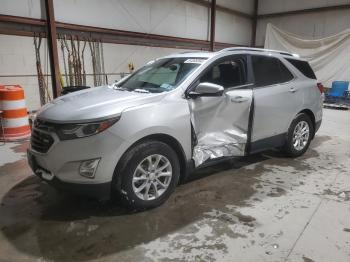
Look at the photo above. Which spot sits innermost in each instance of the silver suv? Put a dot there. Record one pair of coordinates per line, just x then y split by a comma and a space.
142, 135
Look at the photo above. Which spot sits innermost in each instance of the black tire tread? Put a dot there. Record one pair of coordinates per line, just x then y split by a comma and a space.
288, 148
128, 198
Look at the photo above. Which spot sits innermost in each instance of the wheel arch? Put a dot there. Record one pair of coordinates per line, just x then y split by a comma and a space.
165, 138
310, 114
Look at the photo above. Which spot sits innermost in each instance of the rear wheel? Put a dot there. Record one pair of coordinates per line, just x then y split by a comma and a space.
150, 172
299, 136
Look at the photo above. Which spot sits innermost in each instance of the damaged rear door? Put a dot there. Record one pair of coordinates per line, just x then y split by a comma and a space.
220, 121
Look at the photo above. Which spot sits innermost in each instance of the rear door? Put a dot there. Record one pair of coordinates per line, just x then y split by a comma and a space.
275, 101
221, 123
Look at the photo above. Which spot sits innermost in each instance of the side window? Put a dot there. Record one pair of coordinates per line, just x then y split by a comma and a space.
269, 71
286, 75
228, 73
304, 67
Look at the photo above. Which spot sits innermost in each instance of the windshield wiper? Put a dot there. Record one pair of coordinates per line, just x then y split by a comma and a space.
139, 90
115, 87
120, 88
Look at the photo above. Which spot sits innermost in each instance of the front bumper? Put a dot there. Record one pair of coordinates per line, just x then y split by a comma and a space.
63, 158
101, 191
59, 165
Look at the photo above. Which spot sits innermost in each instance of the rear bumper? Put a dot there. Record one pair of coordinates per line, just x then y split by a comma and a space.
318, 125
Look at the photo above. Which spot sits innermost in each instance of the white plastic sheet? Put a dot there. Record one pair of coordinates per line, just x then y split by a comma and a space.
329, 57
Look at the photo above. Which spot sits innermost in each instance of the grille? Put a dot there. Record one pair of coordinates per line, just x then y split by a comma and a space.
41, 142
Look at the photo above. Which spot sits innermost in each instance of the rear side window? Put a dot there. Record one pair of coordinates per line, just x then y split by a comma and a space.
269, 71
304, 67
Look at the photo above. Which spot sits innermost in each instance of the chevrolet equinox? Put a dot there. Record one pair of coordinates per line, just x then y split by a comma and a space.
142, 135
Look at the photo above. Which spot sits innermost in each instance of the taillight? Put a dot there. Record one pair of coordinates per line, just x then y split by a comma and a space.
320, 87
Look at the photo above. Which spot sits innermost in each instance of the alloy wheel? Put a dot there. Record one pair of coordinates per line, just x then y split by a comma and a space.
301, 135
152, 177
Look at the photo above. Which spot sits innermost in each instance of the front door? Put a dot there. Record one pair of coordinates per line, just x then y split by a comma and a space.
221, 123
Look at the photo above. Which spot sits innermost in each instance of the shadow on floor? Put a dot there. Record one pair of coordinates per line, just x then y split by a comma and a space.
41, 222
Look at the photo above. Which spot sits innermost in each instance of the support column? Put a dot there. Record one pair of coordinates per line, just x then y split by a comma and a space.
52, 47
254, 23
212, 24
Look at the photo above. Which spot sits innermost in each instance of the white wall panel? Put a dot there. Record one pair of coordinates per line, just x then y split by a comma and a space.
166, 17
179, 18
311, 25
233, 29
119, 56
245, 6
26, 8
17, 57
277, 6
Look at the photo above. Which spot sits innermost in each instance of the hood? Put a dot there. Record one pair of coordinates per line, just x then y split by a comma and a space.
93, 104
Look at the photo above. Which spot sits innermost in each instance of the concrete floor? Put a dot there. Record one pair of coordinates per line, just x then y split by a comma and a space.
260, 208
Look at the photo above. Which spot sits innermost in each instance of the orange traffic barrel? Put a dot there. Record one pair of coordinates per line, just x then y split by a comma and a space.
14, 116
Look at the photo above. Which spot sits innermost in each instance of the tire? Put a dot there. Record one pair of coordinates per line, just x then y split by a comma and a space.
132, 169
293, 148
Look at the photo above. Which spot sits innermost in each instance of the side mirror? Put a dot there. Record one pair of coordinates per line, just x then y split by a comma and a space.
206, 89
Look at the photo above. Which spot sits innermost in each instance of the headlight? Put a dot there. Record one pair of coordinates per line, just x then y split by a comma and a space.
72, 131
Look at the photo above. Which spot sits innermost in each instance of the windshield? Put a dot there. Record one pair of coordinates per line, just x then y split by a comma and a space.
162, 75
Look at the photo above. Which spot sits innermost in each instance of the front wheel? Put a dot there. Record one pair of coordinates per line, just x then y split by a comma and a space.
299, 135
150, 172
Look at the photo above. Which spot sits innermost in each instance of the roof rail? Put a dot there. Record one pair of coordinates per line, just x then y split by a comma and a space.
194, 51
257, 50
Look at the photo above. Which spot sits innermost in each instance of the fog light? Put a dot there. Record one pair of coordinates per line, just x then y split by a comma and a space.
87, 168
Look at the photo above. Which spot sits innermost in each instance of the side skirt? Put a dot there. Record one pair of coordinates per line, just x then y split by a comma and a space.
268, 143
216, 161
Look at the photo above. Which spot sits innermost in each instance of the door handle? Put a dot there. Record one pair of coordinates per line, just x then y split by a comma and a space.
239, 99
292, 90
